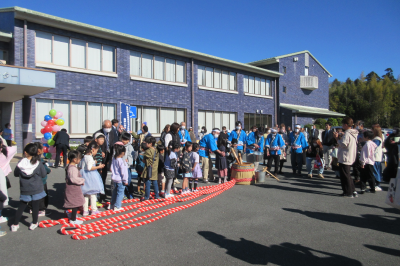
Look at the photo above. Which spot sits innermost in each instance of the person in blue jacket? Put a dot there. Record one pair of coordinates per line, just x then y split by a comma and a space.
274, 143
253, 141
184, 134
241, 137
299, 145
208, 143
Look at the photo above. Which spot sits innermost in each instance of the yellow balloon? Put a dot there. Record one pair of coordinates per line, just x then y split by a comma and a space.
60, 122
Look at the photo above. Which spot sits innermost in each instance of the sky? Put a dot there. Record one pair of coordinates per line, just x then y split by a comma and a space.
346, 36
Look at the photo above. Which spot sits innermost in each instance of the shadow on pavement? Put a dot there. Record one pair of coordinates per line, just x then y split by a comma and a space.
298, 190
367, 221
283, 254
389, 251
389, 210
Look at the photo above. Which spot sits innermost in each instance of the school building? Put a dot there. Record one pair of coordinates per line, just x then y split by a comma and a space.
86, 72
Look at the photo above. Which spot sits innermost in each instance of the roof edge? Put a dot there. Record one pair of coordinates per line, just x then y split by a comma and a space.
57, 22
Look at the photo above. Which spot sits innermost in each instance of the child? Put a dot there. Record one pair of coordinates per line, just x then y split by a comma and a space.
6, 154
367, 160
140, 167
161, 177
186, 166
150, 159
3, 198
73, 196
93, 182
31, 172
82, 148
128, 158
220, 161
170, 165
230, 158
120, 176
196, 170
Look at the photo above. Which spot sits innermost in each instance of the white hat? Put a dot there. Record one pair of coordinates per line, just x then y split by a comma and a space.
273, 130
98, 135
297, 126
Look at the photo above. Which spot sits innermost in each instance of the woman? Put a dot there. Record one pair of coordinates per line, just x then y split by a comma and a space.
203, 132
285, 138
266, 133
172, 135
192, 136
311, 154
8, 134
378, 140
164, 132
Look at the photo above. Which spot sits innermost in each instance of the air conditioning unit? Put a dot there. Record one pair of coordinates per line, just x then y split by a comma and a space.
295, 59
3, 62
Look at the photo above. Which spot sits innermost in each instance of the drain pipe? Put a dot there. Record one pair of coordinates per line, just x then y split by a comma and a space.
276, 104
193, 95
25, 43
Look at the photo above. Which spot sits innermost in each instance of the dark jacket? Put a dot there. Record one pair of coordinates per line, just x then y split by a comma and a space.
175, 138
30, 184
314, 133
61, 137
330, 140
161, 163
44, 179
314, 151
186, 164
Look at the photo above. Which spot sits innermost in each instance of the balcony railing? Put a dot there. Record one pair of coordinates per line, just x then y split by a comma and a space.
309, 82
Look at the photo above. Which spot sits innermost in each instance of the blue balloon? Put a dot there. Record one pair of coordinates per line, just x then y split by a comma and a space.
44, 155
47, 118
47, 136
46, 145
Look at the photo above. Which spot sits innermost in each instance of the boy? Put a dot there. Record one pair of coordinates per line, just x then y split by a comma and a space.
82, 148
367, 160
128, 157
140, 167
99, 138
150, 158
161, 177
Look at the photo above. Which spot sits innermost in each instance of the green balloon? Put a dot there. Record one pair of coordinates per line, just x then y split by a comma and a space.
52, 112
48, 155
51, 142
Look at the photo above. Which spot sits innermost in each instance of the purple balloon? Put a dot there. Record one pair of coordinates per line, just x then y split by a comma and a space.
56, 128
43, 123
59, 114
43, 140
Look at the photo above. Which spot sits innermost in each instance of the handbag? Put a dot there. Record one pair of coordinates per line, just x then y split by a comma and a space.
392, 197
318, 163
150, 167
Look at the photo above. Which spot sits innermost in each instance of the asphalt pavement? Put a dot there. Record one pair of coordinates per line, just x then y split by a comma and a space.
297, 221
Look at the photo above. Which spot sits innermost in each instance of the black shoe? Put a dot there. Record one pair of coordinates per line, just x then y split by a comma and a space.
294, 172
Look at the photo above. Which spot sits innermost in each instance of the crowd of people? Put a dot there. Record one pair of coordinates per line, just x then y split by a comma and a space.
157, 164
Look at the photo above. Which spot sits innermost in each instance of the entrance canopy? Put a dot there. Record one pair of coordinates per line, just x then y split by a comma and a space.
299, 109
18, 82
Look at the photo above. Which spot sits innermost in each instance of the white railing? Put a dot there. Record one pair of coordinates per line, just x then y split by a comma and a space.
309, 82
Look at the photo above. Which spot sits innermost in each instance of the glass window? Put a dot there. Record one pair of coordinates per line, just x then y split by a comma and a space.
201, 76
42, 109
217, 120
170, 70
246, 83
167, 116
180, 116
61, 50
150, 115
159, 67
251, 85
78, 117
94, 117
268, 88
108, 58
63, 106
232, 81
209, 77
246, 121
147, 66
201, 120
217, 78
262, 87
78, 53
108, 111
209, 121
225, 120
232, 120
43, 46
257, 86
94, 56
306, 71
135, 61
180, 71
225, 80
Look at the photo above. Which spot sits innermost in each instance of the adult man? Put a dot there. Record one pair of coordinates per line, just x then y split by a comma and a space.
240, 135
207, 144
314, 134
61, 139
184, 134
299, 144
327, 143
252, 144
273, 144
142, 136
346, 156
224, 133
192, 136
111, 136
289, 130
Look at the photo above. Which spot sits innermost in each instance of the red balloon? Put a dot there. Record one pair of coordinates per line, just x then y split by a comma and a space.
42, 131
48, 128
51, 123
45, 149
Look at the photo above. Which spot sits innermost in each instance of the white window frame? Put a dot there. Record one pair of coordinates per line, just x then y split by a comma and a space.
216, 88
221, 113
254, 94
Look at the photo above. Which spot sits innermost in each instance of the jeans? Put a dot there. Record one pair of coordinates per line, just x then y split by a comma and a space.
368, 176
148, 183
297, 161
378, 171
310, 166
129, 187
327, 155
117, 195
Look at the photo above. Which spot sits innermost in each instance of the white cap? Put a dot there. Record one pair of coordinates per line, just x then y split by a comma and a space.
297, 126
273, 130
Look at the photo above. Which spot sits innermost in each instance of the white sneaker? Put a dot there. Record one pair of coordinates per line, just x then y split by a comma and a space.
33, 226
76, 222
3, 219
118, 209
14, 228
42, 213
378, 188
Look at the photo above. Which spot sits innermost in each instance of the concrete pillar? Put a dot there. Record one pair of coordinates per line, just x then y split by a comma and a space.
27, 134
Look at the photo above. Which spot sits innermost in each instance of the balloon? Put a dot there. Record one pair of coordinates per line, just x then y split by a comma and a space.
56, 128
43, 140
45, 149
47, 135
51, 122
47, 118
42, 131
52, 149
62, 119
53, 156
48, 155
48, 129
59, 114
51, 142
60, 122
52, 112
46, 145
43, 123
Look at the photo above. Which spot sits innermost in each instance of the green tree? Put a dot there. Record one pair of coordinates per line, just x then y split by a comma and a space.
389, 74
334, 122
